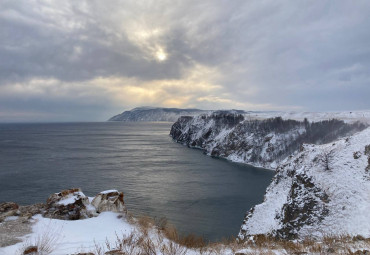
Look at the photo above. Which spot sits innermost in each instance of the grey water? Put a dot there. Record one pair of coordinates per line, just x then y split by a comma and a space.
160, 178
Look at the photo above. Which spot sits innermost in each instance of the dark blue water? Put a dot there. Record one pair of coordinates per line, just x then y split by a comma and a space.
159, 177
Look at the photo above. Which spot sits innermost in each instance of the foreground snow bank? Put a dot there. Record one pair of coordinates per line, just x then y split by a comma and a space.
105, 233
322, 190
109, 231
69, 237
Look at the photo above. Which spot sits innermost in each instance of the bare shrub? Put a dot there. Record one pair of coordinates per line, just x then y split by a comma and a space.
145, 223
173, 249
46, 242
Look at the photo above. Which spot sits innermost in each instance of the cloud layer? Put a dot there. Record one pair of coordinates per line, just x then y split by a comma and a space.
88, 60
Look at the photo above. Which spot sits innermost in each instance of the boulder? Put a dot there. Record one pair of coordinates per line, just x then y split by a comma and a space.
69, 204
30, 250
8, 209
8, 206
110, 200
64, 195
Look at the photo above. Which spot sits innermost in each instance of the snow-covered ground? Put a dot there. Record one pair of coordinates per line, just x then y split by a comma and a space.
96, 234
93, 234
73, 236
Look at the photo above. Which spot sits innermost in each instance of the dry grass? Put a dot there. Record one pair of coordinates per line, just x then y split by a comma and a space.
159, 236
46, 242
189, 241
138, 243
329, 244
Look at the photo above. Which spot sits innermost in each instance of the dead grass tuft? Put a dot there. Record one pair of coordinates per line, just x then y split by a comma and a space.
46, 242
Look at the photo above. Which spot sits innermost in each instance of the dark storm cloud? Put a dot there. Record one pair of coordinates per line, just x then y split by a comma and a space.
253, 55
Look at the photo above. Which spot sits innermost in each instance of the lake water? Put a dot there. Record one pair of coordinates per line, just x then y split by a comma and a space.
159, 177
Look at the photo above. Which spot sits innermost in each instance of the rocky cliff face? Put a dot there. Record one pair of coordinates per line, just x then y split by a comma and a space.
258, 142
324, 189
155, 114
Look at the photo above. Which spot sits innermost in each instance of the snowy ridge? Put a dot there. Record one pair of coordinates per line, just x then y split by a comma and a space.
347, 116
262, 143
324, 189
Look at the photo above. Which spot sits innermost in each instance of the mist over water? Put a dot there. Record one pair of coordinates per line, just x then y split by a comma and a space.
159, 177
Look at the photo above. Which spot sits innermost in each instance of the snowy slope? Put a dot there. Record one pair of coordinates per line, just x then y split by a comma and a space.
324, 189
258, 142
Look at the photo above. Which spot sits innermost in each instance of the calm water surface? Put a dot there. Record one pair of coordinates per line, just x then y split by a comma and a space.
159, 177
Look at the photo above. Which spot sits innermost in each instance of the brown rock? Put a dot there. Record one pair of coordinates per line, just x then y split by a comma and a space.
8, 206
30, 250
56, 197
8, 209
110, 200
67, 205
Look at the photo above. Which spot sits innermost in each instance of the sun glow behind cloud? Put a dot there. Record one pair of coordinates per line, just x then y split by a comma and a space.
161, 55
149, 40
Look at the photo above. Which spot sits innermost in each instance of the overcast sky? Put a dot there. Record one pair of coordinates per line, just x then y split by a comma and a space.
88, 60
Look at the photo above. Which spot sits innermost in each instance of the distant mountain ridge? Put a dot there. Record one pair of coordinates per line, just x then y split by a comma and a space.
155, 114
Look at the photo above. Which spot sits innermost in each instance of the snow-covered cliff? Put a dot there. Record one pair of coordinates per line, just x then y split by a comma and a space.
263, 143
324, 189
322, 181
155, 114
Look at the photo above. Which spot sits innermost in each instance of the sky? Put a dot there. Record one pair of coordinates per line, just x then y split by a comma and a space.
88, 60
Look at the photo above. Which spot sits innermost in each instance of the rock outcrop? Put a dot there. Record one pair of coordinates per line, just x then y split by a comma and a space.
69, 204
322, 190
110, 200
8, 209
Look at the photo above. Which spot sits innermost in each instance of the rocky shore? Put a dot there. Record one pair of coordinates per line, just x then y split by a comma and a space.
70, 204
